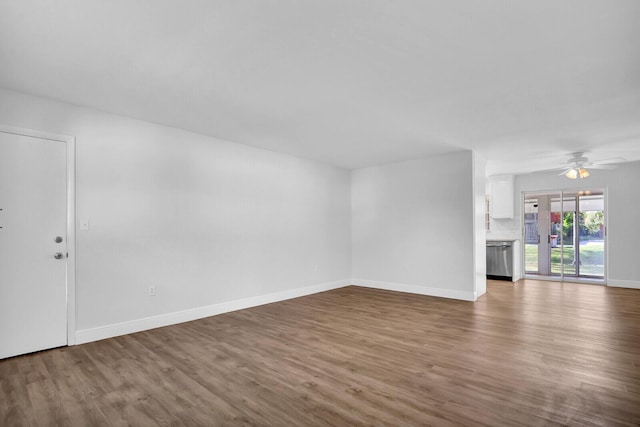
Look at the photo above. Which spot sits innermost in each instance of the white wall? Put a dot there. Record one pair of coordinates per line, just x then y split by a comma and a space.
479, 232
413, 225
622, 215
207, 222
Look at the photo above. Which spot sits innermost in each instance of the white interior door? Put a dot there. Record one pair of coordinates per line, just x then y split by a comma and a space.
33, 244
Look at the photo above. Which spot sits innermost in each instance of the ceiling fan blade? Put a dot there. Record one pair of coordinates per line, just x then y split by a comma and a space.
601, 166
546, 170
610, 161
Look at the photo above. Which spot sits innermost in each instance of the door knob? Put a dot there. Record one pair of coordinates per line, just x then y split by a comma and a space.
58, 239
58, 255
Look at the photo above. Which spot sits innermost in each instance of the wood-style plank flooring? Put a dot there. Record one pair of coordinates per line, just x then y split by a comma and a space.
534, 353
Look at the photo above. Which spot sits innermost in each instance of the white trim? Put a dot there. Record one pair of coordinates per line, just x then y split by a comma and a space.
631, 284
605, 194
137, 325
70, 142
35, 133
71, 241
566, 279
415, 289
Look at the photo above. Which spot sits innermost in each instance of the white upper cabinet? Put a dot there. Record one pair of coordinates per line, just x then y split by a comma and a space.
501, 197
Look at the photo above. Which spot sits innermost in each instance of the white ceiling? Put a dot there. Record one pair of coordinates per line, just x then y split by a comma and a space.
351, 83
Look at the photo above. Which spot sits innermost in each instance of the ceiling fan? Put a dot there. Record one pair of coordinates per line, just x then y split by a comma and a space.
577, 165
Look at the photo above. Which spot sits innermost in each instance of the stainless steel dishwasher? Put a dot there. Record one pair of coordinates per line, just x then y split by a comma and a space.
500, 260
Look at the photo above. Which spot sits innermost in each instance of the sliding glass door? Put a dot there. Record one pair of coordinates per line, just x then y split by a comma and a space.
564, 234
558, 241
589, 235
539, 231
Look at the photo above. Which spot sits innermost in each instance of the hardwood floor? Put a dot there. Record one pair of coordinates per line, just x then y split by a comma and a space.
533, 353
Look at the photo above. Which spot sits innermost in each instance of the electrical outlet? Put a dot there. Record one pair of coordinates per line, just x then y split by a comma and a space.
152, 290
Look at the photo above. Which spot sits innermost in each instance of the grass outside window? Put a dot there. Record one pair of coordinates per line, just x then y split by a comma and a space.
591, 257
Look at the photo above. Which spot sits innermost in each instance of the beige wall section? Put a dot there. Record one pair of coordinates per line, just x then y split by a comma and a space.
203, 220
479, 234
413, 226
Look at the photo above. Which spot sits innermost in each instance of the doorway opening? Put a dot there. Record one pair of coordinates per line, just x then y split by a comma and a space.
565, 235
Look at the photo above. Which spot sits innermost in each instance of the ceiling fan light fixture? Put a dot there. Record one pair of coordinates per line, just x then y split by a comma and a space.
576, 173
583, 173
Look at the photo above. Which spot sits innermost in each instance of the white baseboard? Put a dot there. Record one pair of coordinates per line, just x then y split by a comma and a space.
632, 284
415, 289
132, 326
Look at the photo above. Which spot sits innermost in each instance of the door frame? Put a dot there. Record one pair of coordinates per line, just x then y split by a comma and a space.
70, 142
562, 278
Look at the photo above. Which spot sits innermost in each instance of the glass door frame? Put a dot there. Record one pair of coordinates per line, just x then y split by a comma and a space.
562, 277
